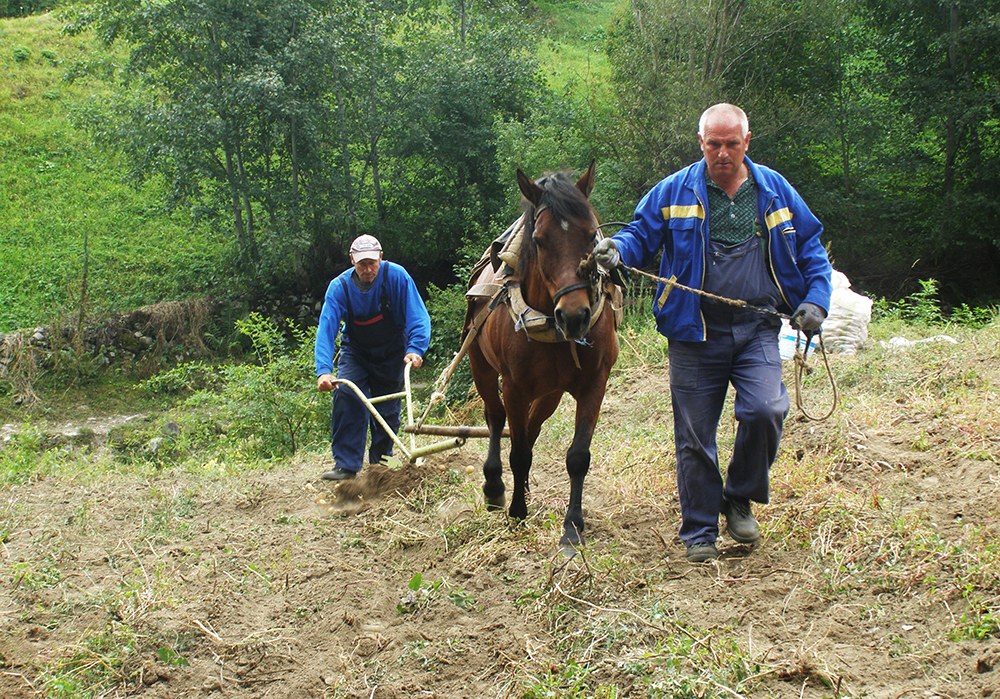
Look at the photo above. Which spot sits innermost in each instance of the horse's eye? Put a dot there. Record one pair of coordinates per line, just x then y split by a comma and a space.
538, 241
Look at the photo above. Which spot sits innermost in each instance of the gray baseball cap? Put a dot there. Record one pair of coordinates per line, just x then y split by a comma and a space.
365, 247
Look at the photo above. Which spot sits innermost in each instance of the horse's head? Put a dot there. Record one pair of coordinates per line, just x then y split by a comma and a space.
563, 228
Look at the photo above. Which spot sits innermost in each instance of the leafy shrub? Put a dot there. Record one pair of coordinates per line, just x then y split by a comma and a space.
147, 440
184, 377
102, 68
920, 307
271, 405
24, 457
973, 317
446, 308
923, 308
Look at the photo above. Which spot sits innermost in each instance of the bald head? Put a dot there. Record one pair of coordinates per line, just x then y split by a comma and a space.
724, 114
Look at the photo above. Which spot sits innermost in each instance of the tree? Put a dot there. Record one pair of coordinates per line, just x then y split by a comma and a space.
415, 108
229, 105
674, 58
943, 68
303, 124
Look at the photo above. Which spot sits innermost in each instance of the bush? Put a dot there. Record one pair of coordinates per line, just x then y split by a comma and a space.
185, 377
922, 308
446, 308
271, 406
21, 54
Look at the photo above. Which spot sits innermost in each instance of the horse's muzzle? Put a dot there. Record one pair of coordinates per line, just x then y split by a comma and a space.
573, 324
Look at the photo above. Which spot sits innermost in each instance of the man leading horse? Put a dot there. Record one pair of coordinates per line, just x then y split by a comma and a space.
736, 229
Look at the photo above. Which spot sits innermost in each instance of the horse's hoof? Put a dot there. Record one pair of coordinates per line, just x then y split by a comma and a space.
518, 512
572, 538
567, 549
496, 504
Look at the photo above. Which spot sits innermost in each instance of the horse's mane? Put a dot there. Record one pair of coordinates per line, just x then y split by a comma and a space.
563, 199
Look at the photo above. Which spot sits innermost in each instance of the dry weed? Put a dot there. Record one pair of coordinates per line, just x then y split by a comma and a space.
19, 367
174, 321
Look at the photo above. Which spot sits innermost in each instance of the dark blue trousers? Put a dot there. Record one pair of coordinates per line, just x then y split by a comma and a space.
351, 419
743, 353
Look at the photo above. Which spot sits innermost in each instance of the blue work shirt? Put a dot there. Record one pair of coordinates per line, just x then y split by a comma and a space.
407, 308
673, 217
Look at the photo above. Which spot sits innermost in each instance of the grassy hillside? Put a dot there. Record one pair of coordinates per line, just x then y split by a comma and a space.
58, 189
60, 192
571, 51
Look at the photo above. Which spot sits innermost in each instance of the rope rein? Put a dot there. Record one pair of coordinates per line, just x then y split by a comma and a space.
739, 303
800, 366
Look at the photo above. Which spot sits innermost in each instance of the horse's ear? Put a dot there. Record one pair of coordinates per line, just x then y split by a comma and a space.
531, 191
586, 183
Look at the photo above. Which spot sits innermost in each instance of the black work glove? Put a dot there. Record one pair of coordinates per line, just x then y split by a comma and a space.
606, 254
808, 318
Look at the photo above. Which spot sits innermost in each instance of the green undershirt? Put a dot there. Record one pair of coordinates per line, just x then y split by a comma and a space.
731, 221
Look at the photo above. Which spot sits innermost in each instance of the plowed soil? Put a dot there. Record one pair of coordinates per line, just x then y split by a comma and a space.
277, 584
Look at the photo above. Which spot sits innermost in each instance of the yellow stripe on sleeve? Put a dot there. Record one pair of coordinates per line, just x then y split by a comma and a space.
779, 216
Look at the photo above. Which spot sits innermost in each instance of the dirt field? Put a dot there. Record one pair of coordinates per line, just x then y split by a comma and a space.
876, 576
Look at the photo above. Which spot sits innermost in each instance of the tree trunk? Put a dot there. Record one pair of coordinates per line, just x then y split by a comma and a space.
345, 165
235, 177
377, 181
244, 191
724, 22
241, 236
464, 27
653, 53
951, 126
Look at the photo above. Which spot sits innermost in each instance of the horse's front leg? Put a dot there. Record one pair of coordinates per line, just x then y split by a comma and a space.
588, 407
577, 465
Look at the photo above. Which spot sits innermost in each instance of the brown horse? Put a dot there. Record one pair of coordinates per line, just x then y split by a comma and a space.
562, 340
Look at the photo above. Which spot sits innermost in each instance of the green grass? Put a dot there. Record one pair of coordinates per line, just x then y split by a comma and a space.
572, 51
61, 192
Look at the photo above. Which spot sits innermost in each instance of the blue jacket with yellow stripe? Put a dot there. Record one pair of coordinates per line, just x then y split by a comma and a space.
673, 216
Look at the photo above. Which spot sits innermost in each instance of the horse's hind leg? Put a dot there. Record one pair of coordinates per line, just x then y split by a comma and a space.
488, 386
493, 488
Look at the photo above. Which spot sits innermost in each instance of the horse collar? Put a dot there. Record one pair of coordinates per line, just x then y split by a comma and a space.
540, 327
